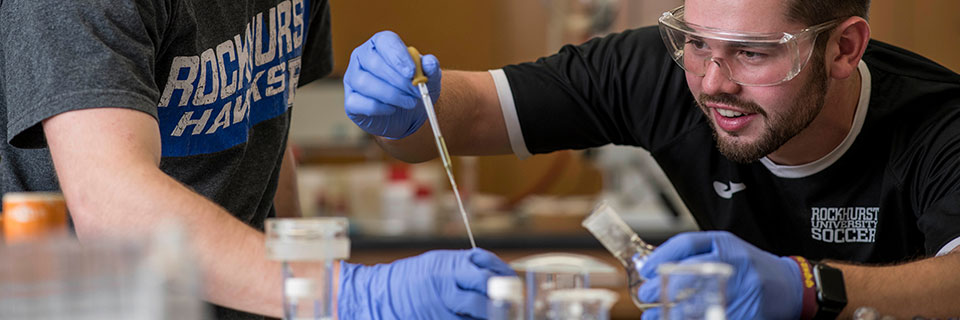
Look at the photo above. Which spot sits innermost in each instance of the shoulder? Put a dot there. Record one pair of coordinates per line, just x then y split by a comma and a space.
909, 92
69, 23
47, 9
917, 102
898, 62
631, 58
639, 42
915, 105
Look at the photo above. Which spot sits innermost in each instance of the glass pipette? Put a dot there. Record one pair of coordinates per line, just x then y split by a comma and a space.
420, 80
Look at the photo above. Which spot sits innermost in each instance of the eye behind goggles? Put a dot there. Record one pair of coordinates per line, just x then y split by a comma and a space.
747, 58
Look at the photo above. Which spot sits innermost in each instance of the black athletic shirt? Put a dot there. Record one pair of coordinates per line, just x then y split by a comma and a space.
889, 192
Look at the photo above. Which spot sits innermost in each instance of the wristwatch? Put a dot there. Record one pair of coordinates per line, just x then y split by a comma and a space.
831, 293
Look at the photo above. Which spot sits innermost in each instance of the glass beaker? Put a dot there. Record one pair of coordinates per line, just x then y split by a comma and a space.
547, 272
694, 290
623, 243
150, 278
307, 247
581, 304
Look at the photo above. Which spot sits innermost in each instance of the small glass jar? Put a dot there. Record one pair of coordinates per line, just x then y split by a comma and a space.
312, 245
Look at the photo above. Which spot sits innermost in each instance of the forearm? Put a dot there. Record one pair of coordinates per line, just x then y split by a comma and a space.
107, 162
468, 111
229, 253
928, 288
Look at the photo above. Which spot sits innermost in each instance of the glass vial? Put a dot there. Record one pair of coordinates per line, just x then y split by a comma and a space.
506, 298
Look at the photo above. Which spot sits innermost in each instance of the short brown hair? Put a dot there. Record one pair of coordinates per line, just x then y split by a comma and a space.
811, 12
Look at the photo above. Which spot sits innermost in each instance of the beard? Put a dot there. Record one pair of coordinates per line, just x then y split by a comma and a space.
780, 127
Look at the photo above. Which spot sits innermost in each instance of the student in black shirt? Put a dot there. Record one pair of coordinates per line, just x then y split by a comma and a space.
781, 124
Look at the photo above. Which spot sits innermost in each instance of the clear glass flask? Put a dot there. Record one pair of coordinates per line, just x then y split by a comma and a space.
623, 243
693, 291
308, 248
581, 304
506, 298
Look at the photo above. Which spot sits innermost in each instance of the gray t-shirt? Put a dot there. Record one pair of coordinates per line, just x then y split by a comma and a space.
218, 75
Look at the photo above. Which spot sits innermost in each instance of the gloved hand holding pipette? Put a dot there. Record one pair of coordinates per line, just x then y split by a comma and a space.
377, 87
378, 94
443, 284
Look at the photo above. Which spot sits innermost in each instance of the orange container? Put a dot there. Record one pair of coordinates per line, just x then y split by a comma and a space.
32, 215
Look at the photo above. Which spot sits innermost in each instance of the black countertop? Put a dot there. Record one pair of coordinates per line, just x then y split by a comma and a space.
498, 241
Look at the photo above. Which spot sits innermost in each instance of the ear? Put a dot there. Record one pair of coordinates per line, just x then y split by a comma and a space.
846, 46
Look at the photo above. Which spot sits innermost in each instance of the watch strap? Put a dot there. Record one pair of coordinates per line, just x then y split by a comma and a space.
831, 292
809, 307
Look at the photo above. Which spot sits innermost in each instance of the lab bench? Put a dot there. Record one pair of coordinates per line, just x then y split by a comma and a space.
509, 247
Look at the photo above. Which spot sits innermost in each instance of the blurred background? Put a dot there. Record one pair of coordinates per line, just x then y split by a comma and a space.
517, 207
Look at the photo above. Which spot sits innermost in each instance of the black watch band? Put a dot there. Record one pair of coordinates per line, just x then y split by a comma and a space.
831, 291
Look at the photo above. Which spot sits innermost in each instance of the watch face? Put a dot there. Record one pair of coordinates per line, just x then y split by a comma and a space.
831, 292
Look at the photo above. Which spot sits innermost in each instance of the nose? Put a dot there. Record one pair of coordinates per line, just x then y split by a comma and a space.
716, 81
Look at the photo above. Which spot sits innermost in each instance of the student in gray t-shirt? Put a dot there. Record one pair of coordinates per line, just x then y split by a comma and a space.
143, 112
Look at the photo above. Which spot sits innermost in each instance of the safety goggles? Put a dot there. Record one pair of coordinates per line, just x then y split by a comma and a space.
751, 59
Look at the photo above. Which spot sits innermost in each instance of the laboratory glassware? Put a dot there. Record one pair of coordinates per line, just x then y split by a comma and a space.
506, 298
150, 278
307, 248
581, 304
693, 291
870, 313
615, 235
546, 272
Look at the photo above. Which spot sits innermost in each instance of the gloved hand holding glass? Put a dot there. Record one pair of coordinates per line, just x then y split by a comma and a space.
378, 94
762, 286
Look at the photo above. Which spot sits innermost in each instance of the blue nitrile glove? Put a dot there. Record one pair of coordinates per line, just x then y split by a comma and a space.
442, 284
763, 286
378, 94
